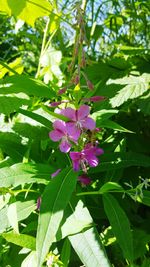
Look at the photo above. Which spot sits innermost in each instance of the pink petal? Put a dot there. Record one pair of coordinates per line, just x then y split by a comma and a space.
56, 135
99, 151
69, 113
83, 112
60, 125
72, 130
64, 146
76, 165
88, 123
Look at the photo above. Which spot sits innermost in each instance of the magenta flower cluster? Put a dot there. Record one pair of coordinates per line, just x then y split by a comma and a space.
73, 135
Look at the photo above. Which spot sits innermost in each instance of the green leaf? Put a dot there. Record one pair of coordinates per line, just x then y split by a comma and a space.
25, 173
65, 253
27, 10
36, 117
78, 220
89, 248
110, 186
25, 241
117, 160
54, 201
112, 125
12, 217
24, 209
104, 114
120, 225
30, 260
10, 104
24, 84
133, 87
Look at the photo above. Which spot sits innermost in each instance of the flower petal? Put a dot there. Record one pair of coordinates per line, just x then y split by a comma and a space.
93, 161
56, 135
72, 130
75, 155
69, 113
65, 146
60, 125
84, 179
76, 165
88, 123
83, 112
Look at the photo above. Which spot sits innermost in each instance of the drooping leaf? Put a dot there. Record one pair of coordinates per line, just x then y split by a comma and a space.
25, 241
26, 10
23, 173
120, 225
54, 201
112, 125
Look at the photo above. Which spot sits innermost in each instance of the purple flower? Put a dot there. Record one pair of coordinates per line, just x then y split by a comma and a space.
84, 179
60, 133
55, 173
88, 156
78, 119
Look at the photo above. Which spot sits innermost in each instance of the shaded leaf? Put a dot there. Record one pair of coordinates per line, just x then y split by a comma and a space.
120, 225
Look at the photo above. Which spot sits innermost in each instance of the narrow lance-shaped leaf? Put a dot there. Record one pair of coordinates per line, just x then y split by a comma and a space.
54, 201
120, 225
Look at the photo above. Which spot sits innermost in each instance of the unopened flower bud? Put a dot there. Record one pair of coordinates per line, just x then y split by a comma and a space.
62, 91
84, 180
38, 204
76, 79
97, 98
90, 85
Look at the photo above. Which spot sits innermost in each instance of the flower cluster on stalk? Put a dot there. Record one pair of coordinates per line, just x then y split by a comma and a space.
73, 137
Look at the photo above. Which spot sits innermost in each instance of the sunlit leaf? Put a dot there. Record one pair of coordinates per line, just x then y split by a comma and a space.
54, 201
27, 10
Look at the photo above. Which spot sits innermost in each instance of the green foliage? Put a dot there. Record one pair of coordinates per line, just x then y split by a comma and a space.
58, 221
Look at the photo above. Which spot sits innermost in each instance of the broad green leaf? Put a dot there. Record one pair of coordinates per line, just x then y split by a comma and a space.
24, 84
25, 173
133, 87
25, 241
24, 209
117, 160
27, 10
78, 220
54, 201
110, 186
89, 248
10, 104
120, 225
30, 260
